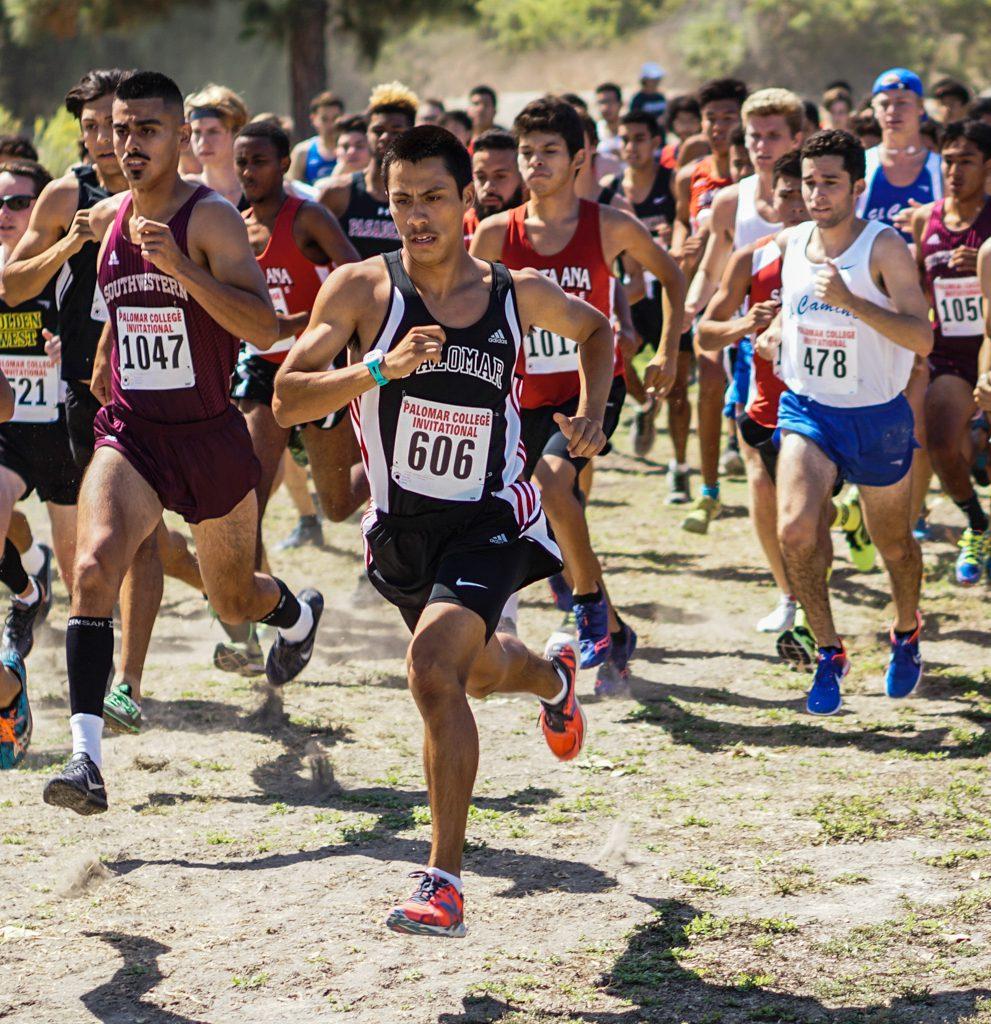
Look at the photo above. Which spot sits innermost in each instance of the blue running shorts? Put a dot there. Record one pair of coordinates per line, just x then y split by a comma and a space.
871, 445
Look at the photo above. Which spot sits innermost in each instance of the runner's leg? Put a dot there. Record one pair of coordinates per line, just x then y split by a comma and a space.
949, 406
889, 514
140, 599
338, 474
764, 513
63, 519
806, 478
178, 561
712, 389
269, 441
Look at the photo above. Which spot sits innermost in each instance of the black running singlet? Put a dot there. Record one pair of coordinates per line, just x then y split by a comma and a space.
367, 222
659, 203
74, 288
449, 434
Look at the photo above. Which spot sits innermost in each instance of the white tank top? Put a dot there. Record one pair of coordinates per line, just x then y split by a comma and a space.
828, 354
750, 225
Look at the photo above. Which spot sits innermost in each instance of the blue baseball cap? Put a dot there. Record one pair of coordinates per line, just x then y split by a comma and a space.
897, 79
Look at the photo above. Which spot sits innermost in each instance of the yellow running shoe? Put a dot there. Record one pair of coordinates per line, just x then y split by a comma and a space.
704, 510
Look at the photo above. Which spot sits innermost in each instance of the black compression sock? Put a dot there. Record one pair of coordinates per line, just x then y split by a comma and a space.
286, 613
89, 657
589, 598
899, 635
12, 572
977, 518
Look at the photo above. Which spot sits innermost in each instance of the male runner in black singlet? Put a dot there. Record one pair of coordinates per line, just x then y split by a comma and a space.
452, 531
181, 285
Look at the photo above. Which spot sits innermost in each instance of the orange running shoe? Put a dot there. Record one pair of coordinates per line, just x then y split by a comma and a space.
436, 908
564, 723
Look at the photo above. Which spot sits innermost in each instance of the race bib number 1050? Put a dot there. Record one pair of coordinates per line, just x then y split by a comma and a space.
441, 450
958, 306
153, 349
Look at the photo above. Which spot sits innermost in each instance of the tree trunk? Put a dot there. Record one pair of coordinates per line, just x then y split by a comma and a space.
307, 54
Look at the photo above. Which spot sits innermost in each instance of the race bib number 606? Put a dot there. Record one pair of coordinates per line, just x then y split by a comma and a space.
441, 450
153, 349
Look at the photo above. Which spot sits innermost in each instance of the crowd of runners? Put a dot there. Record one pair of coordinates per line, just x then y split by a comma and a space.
439, 321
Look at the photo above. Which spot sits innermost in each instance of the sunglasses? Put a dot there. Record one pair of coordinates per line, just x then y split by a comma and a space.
16, 203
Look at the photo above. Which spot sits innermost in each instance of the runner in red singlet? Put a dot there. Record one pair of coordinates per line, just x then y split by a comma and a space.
576, 243
695, 189
498, 185
180, 284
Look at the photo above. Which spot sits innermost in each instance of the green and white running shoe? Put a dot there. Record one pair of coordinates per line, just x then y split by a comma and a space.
797, 645
243, 658
121, 712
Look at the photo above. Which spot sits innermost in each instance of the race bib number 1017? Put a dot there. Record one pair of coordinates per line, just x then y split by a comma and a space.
153, 349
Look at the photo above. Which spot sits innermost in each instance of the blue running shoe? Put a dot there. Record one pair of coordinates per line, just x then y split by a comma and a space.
824, 697
973, 555
561, 592
922, 531
905, 666
594, 640
613, 677
15, 720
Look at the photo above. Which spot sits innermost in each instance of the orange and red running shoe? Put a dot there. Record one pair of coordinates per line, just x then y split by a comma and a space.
436, 908
564, 723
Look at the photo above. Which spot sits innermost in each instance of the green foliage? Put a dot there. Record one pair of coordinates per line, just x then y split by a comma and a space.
9, 125
711, 42
55, 139
526, 24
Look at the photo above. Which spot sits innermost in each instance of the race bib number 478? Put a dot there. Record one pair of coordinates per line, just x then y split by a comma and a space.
153, 349
827, 359
441, 450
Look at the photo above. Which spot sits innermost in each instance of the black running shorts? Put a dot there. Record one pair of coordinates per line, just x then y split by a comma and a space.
254, 380
475, 557
39, 454
541, 435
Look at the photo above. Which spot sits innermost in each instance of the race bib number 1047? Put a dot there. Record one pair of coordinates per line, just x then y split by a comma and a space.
153, 349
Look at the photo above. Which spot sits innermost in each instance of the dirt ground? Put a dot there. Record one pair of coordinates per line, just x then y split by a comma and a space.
715, 855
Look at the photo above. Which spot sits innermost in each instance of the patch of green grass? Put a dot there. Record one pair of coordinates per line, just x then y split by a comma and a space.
705, 879
258, 980
850, 819
706, 926
953, 858
693, 820
789, 881
850, 878
218, 838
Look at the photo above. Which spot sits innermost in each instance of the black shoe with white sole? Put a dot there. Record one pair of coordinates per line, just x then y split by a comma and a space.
287, 659
79, 786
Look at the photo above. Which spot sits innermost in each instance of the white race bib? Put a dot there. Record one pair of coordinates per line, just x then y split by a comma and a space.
958, 306
153, 349
547, 352
441, 450
827, 359
35, 382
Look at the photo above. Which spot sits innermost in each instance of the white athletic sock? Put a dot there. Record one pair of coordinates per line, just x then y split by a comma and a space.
87, 733
297, 633
447, 877
511, 610
564, 687
32, 597
677, 467
33, 559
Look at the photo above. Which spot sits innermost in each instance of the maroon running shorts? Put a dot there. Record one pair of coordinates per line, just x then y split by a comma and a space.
201, 470
957, 358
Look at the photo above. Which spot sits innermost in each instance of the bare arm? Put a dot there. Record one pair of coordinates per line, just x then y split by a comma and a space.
351, 302
919, 220
718, 249
543, 304
55, 232
488, 239
336, 196
297, 163
721, 326
908, 324
982, 393
624, 234
324, 230
231, 288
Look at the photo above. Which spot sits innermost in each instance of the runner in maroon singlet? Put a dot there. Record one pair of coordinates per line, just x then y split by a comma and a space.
181, 285
948, 235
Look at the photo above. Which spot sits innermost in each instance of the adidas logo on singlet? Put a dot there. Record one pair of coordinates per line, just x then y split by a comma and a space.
498, 338
499, 538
